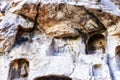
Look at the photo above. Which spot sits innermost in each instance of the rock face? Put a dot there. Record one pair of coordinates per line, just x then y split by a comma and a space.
54, 40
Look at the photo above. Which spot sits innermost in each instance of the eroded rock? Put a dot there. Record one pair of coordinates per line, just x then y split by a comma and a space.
55, 38
9, 27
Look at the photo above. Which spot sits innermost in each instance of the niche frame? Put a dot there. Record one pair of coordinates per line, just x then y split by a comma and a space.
102, 35
15, 66
53, 77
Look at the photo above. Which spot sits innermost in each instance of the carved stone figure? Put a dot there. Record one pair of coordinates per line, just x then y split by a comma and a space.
19, 68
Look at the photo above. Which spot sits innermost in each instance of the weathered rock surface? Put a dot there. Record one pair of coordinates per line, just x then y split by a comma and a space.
78, 40
9, 27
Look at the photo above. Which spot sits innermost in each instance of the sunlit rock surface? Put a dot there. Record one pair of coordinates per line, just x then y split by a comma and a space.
60, 40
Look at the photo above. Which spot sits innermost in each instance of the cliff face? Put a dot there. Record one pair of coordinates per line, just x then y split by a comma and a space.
77, 40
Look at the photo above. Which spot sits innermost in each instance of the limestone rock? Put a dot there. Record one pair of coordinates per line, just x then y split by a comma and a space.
29, 11
61, 19
9, 27
59, 39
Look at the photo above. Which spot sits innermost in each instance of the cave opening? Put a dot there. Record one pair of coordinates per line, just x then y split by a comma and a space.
117, 56
96, 44
18, 69
53, 77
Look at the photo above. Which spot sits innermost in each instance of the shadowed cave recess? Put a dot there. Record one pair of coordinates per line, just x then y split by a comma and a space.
59, 40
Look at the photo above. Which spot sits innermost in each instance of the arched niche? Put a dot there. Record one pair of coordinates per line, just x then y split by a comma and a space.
96, 69
117, 56
96, 44
53, 77
18, 69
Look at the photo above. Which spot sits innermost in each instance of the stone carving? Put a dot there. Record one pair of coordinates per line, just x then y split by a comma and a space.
96, 42
62, 41
118, 57
19, 69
